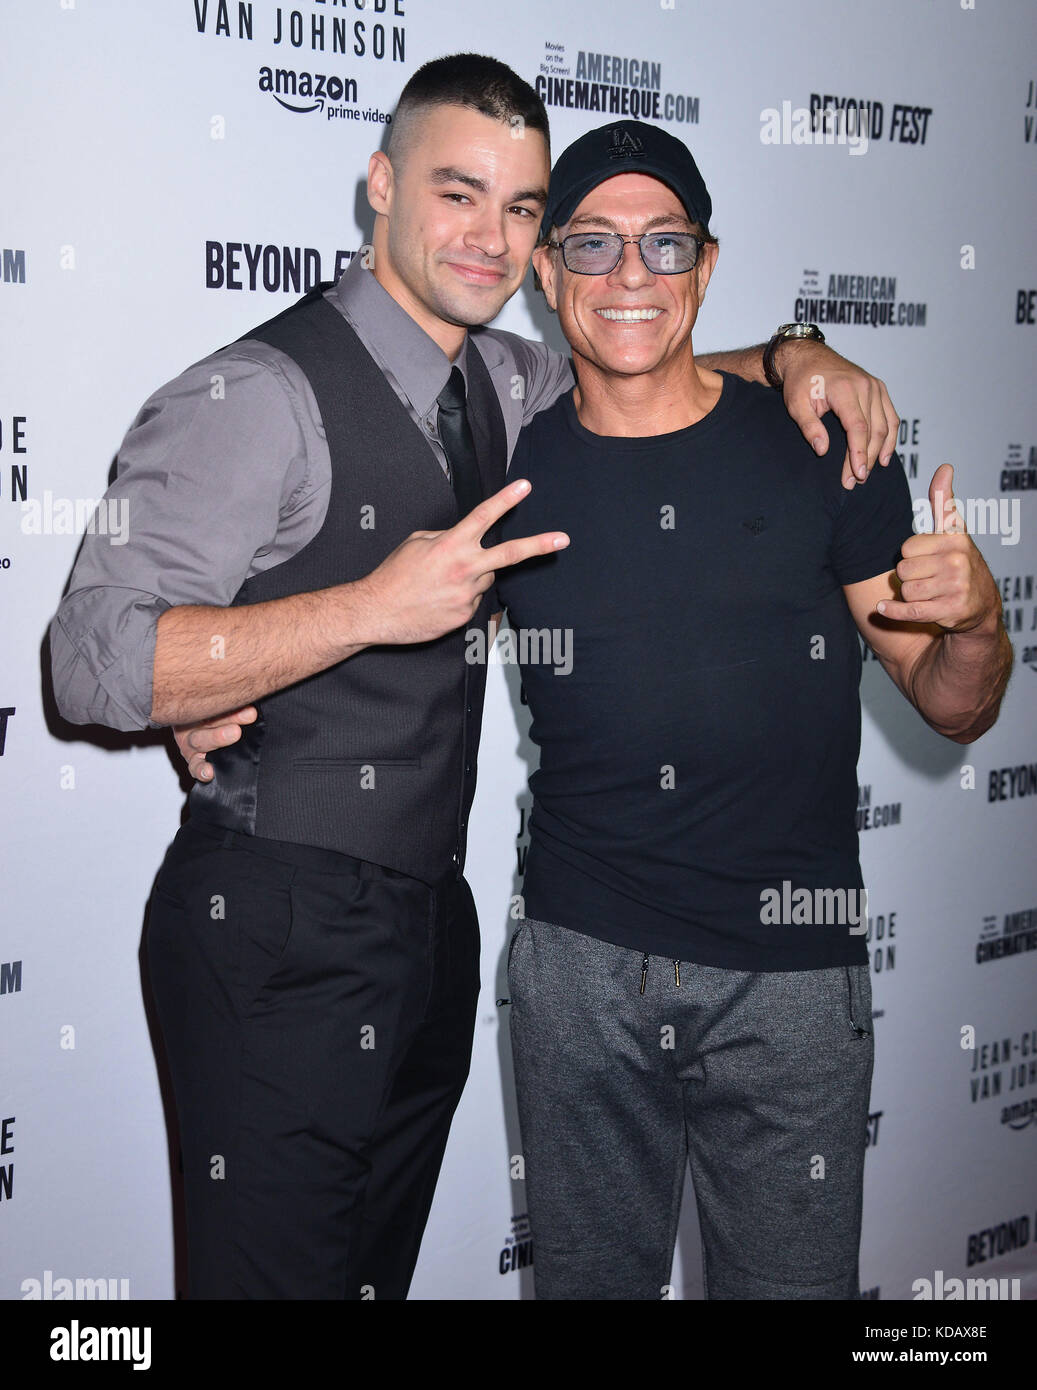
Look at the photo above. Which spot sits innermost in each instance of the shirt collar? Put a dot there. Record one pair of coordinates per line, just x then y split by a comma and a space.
393, 338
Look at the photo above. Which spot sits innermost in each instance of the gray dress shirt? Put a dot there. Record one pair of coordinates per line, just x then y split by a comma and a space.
225, 472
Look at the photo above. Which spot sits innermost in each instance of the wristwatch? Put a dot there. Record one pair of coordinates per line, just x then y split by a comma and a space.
786, 331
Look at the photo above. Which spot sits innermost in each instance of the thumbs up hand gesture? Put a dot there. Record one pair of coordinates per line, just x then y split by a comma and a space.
943, 577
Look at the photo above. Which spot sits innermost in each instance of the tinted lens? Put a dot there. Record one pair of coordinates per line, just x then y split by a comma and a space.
592, 253
669, 253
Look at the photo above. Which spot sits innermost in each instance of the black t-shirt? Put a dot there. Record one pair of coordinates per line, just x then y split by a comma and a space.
698, 761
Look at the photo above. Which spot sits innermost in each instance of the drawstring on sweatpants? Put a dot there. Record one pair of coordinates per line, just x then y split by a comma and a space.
644, 973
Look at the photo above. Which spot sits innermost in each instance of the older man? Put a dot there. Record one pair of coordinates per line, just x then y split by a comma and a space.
691, 980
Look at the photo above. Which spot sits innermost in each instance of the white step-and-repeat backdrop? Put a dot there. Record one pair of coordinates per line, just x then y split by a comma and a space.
171, 171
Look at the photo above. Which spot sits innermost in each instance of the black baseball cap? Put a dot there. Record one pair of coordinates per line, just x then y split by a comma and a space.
625, 147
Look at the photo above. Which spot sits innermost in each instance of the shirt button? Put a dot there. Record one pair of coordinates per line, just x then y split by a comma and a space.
430, 426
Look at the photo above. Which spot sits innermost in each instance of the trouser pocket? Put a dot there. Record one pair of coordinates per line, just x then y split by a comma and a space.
858, 1001
511, 945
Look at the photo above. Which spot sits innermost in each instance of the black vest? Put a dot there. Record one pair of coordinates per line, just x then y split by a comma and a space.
376, 756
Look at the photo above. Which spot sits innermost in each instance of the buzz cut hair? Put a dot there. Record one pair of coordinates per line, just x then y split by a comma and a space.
473, 80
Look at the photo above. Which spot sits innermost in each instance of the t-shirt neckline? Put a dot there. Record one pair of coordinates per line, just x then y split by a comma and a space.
642, 442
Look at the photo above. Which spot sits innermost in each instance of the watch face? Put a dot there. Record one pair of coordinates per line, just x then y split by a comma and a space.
800, 330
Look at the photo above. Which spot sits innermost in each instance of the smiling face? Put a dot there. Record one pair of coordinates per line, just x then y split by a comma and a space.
459, 215
629, 322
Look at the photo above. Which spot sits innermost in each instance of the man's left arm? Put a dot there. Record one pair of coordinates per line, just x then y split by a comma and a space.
935, 623
815, 379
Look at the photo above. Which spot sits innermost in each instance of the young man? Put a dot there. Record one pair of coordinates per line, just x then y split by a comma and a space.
691, 979
313, 945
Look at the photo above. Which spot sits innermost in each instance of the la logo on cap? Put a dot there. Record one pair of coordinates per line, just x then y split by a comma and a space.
624, 142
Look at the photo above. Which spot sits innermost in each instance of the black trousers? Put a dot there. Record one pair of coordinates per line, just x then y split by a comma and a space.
317, 1014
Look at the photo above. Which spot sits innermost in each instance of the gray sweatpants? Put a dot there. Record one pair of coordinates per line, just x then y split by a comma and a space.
760, 1080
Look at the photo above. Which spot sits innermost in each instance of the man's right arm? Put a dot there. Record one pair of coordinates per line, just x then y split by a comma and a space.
209, 659
214, 482
218, 478
431, 584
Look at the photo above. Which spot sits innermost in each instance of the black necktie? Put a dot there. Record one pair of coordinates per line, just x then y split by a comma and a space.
458, 445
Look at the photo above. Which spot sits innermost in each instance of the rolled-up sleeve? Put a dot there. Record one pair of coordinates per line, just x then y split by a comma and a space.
102, 649
216, 479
